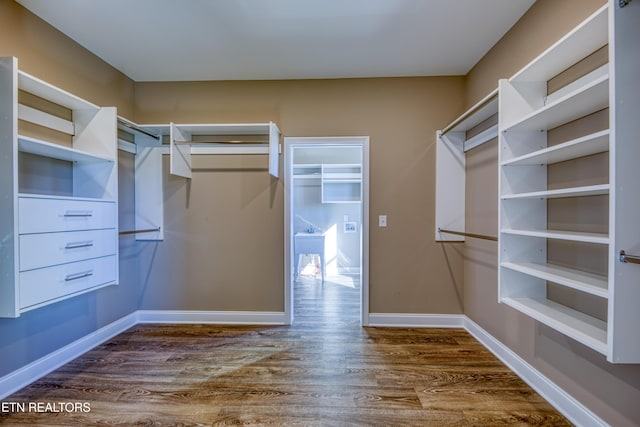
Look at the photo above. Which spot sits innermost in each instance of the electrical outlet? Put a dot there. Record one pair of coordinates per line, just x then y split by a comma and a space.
382, 221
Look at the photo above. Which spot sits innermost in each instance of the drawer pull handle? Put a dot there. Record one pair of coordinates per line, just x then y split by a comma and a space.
78, 245
77, 276
77, 214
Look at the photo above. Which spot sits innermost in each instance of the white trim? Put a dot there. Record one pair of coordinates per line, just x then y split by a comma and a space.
217, 317
37, 369
289, 143
576, 412
403, 320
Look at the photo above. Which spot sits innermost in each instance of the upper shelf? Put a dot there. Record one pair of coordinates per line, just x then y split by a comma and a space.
583, 40
588, 98
594, 143
56, 151
49, 92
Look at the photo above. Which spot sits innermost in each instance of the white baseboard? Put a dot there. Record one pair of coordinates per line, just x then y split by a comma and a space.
215, 317
401, 320
37, 369
576, 412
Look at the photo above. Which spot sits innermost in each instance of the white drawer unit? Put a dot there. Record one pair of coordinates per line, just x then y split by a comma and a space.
48, 249
55, 222
48, 215
47, 285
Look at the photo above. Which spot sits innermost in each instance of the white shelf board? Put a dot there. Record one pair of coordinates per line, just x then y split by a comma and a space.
308, 176
574, 236
585, 146
586, 282
588, 330
479, 139
342, 176
47, 149
226, 129
587, 99
55, 197
583, 40
51, 93
481, 111
590, 190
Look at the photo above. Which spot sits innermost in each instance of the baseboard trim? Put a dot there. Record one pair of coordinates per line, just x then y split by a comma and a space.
37, 369
576, 412
402, 320
214, 317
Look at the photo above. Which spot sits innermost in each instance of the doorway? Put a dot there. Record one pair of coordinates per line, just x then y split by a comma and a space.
326, 183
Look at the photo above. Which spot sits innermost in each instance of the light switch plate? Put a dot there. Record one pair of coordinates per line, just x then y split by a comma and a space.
382, 221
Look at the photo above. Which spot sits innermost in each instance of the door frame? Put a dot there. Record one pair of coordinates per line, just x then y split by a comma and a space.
289, 144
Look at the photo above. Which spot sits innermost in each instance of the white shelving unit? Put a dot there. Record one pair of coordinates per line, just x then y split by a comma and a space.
245, 138
452, 143
526, 114
149, 192
339, 183
57, 243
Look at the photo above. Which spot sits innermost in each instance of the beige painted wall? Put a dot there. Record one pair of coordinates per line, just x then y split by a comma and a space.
48, 54
224, 246
611, 391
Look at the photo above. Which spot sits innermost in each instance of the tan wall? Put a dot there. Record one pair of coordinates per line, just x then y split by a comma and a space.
611, 391
237, 217
48, 54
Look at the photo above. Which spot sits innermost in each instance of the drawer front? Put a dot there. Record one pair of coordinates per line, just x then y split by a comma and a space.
47, 284
51, 215
48, 249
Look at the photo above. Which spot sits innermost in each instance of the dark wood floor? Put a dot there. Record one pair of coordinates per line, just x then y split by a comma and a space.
323, 370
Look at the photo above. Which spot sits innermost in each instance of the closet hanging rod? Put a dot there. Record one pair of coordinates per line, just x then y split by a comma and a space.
147, 230
462, 233
221, 142
471, 111
138, 129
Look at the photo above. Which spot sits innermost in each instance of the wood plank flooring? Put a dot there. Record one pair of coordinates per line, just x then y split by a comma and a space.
323, 370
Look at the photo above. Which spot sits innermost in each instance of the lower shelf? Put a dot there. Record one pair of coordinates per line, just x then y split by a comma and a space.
585, 329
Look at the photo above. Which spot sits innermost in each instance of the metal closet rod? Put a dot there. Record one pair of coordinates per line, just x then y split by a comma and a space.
147, 230
138, 129
462, 233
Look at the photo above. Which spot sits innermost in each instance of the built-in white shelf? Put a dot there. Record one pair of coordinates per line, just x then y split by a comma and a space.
587, 145
588, 330
586, 99
574, 236
44, 90
218, 138
56, 151
89, 200
591, 190
586, 38
586, 282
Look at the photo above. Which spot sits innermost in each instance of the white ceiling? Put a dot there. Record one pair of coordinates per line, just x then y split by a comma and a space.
173, 40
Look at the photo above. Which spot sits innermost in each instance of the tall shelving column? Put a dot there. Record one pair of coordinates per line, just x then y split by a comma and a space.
572, 297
